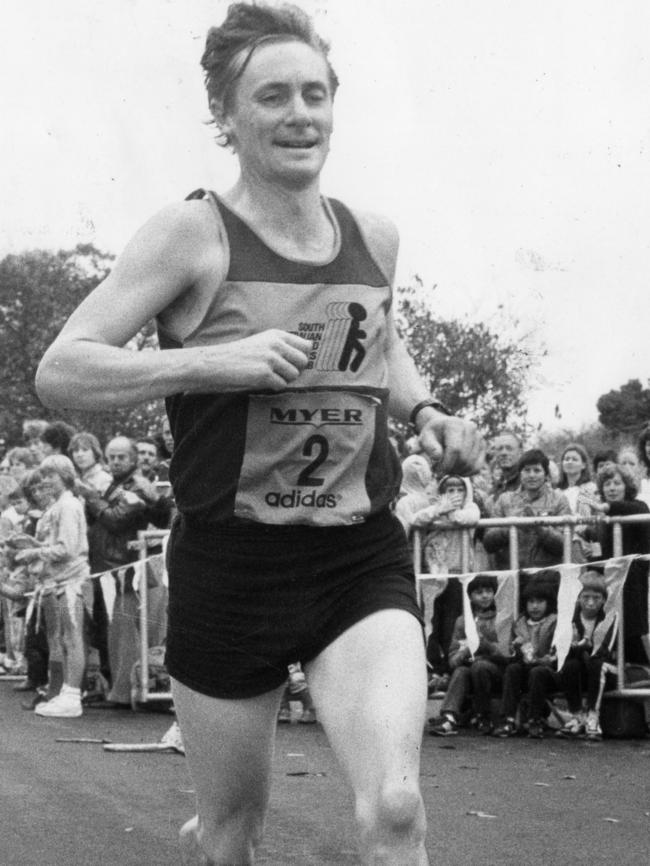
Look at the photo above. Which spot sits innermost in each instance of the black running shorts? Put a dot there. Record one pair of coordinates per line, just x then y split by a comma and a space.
246, 600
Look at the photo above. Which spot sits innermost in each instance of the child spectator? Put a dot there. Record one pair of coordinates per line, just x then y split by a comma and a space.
8, 487
534, 662
20, 461
592, 655
479, 673
64, 557
297, 690
443, 552
416, 491
20, 581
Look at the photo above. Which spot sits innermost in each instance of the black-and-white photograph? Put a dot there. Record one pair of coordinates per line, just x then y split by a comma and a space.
324, 432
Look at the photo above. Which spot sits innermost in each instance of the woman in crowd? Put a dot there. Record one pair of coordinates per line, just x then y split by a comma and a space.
581, 493
618, 490
643, 449
86, 453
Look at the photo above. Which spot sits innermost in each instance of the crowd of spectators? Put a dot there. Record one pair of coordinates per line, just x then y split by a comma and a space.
529, 483
70, 509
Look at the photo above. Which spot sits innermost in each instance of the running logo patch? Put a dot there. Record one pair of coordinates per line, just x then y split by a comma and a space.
338, 343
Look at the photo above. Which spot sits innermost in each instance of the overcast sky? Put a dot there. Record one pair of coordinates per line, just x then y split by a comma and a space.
508, 139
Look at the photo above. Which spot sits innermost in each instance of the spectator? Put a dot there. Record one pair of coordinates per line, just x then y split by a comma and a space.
117, 515
506, 451
64, 557
582, 495
20, 460
148, 459
297, 690
416, 491
592, 655
443, 548
8, 487
643, 448
618, 490
92, 477
533, 667
55, 439
86, 453
33, 429
36, 648
539, 546
603, 457
478, 673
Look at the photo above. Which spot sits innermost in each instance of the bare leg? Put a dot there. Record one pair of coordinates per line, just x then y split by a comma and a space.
370, 688
229, 747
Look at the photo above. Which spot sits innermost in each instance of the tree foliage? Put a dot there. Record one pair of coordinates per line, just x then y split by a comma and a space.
38, 291
626, 409
476, 372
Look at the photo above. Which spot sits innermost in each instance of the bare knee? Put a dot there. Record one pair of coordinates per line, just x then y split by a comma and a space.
395, 818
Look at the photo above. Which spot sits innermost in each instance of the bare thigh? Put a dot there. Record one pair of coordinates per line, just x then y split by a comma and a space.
369, 687
229, 748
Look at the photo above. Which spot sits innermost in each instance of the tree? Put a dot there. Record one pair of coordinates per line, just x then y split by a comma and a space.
38, 291
472, 369
625, 410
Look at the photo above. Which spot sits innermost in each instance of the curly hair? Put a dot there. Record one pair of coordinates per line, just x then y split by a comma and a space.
229, 48
611, 470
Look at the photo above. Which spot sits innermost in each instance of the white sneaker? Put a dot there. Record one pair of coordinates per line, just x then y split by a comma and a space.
593, 730
66, 705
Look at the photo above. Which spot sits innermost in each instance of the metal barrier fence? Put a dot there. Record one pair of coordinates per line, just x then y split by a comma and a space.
568, 524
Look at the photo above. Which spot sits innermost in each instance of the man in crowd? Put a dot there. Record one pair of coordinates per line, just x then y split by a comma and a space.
506, 451
148, 458
129, 505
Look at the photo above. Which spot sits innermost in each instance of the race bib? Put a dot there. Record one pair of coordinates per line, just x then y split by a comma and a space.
306, 458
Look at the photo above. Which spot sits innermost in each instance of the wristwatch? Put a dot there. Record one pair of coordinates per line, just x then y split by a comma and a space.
423, 404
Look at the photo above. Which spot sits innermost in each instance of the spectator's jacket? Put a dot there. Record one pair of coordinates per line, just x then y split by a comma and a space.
118, 515
443, 544
602, 641
539, 636
488, 647
539, 546
65, 546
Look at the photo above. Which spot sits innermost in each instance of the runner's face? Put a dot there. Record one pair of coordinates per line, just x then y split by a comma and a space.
281, 118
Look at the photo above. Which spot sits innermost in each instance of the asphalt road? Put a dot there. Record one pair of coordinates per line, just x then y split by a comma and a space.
490, 802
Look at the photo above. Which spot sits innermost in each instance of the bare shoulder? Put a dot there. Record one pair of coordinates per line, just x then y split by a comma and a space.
382, 238
163, 267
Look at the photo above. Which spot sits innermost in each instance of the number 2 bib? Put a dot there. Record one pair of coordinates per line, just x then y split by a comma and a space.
306, 457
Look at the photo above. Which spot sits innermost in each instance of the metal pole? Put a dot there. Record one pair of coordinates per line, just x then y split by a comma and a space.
514, 561
144, 618
617, 549
567, 543
465, 548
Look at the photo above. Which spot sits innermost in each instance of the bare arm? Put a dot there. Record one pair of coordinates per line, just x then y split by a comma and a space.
165, 264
